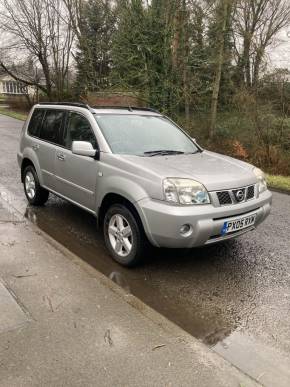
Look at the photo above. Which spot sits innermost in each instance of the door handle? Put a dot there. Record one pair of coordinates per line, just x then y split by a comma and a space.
60, 156
35, 146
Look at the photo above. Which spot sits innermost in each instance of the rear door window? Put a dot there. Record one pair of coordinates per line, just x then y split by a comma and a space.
35, 122
51, 126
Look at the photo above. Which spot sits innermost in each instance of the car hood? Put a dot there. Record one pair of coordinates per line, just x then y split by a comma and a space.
214, 171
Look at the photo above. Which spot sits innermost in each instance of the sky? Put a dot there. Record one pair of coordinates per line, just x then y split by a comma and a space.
279, 52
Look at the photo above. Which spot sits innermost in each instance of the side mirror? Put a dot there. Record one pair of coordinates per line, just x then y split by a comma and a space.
84, 148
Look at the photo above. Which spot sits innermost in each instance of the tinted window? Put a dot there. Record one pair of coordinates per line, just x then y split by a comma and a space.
78, 129
35, 122
51, 125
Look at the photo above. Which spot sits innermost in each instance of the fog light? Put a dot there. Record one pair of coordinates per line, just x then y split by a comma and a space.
186, 230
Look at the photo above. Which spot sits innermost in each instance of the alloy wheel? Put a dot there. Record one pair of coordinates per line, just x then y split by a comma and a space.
30, 185
120, 235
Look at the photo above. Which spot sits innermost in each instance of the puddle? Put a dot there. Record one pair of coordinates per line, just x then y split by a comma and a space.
212, 293
87, 243
76, 230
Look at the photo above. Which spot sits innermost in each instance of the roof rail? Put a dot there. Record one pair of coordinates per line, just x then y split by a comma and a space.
130, 108
77, 104
86, 106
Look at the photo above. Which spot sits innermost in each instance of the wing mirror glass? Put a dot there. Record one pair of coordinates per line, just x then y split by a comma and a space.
84, 148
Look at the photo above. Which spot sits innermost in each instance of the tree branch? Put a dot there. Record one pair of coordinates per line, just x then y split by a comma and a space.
22, 80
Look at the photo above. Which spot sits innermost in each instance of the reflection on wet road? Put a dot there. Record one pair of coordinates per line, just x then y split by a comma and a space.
235, 296
210, 291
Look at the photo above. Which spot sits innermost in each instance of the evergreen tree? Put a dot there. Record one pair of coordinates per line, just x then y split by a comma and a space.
142, 52
94, 50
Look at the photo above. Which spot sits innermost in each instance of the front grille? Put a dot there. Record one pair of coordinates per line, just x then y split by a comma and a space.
251, 192
236, 196
224, 198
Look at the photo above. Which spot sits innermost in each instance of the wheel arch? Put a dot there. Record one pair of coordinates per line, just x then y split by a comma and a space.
113, 198
29, 158
25, 163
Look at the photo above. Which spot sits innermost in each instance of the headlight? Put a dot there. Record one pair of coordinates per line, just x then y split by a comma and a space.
262, 184
185, 191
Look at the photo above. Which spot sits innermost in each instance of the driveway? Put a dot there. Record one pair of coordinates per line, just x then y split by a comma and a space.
234, 297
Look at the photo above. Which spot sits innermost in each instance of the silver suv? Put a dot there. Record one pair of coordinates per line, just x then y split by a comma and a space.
142, 177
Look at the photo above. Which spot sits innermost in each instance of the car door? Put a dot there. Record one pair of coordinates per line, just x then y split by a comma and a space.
76, 175
45, 145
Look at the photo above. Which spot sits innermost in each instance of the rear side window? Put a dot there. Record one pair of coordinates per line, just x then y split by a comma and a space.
35, 122
51, 126
78, 129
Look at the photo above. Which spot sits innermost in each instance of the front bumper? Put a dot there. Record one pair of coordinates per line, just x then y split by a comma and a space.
162, 221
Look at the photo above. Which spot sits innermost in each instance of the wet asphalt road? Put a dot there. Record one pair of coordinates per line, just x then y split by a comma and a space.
235, 297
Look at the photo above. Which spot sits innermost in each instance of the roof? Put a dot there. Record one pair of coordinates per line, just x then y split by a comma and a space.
6, 77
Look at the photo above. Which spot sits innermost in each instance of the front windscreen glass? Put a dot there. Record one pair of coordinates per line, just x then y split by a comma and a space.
143, 135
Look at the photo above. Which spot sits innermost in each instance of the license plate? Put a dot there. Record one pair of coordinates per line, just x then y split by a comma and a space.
238, 224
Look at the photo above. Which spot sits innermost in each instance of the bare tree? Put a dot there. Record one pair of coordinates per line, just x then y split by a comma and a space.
75, 11
256, 22
37, 30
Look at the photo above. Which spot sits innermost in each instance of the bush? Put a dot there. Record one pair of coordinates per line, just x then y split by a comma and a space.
18, 102
256, 134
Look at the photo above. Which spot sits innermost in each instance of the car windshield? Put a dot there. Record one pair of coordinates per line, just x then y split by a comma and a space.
143, 135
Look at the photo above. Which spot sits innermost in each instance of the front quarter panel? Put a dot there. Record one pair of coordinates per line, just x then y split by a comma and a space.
121, 186
120, 177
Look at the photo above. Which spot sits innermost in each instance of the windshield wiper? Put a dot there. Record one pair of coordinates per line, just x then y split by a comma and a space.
163, 152
195, 152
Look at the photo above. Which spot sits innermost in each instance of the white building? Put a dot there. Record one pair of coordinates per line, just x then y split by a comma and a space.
11, 87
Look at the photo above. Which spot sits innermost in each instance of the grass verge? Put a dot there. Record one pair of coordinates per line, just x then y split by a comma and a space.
281, 183
13, 114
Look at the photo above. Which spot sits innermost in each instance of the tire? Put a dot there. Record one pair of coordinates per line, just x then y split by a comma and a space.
35, 194
124, 237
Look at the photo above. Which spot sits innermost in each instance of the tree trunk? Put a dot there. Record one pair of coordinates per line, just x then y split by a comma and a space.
224, 5
185, 54
46, 73
247, 63
257, 65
